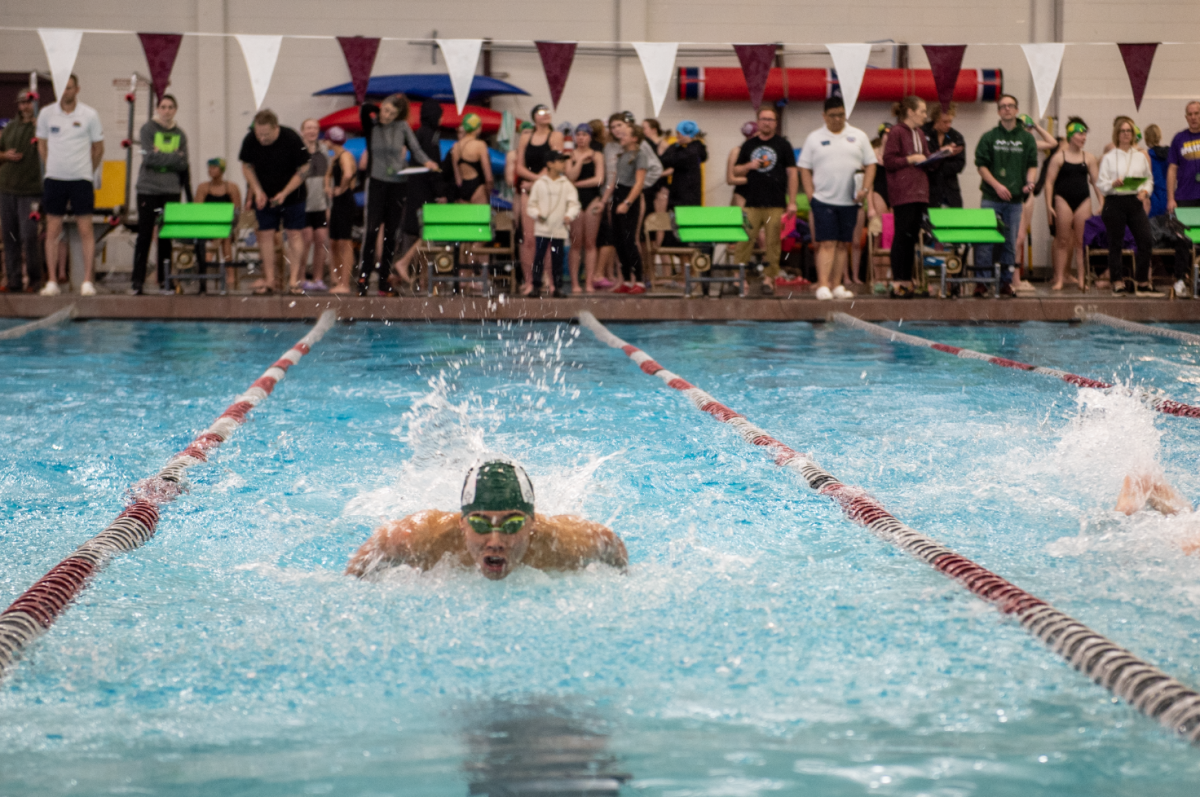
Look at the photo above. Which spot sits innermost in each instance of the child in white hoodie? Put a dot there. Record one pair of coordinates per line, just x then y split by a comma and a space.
553, 204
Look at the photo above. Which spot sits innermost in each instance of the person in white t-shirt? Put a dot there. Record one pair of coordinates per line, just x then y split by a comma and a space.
829, 161
71, 144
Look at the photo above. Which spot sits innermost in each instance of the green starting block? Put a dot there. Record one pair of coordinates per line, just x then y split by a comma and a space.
704, 228
958, 228
447, 227
200, 222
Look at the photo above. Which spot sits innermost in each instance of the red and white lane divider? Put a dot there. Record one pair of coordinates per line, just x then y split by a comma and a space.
1148, 689
1165, 406
38, 607
1145, 329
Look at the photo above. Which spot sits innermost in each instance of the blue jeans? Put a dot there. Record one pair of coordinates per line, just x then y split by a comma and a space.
1009, 214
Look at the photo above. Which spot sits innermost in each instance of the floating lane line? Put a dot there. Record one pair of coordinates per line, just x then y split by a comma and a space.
54, 319
32, 614
1165, 406
1145, 329
1142, 685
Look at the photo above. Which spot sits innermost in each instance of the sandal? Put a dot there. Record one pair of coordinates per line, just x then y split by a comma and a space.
264, 290
295, 290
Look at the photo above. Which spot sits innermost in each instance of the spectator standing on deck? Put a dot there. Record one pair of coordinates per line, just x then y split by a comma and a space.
1007, 162
625, 203
1126, 181
586, 172
20, 189
749, 130
389, 142
684, 158
944, 191
343, 210
1071, 174
70, 144
829, 161
1183, 179
553, 204
275, 165
768, 163
904, 150
532, 147
161, 179
316, 207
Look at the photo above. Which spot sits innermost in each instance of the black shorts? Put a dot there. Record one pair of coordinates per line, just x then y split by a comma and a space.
833, 222
342, 217
59, 195
291, 216
317, 219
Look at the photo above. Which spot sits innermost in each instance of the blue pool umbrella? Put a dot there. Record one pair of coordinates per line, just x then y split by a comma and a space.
433, 87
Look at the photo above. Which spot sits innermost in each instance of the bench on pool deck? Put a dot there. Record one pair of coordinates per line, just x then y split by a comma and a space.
701, 229
200, 222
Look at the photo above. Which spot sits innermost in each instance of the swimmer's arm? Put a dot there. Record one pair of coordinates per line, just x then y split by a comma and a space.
611, 549
408, 541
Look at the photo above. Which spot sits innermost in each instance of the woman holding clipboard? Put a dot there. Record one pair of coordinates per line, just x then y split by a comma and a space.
1126, 181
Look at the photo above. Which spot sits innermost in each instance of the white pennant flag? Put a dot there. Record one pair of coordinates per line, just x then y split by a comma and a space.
261, 53
1044, 62
850, 61
658, 61
461, 57
62, 47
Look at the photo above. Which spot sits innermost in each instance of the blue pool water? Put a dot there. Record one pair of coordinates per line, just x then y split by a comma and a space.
759, 644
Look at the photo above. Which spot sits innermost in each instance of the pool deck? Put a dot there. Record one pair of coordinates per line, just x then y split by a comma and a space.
1042, 307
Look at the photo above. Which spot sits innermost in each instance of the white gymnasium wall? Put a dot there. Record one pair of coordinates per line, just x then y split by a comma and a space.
216, 103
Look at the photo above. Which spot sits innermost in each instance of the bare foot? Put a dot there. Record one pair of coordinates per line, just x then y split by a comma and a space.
589, 289
1058, 286
339, 289
576, 290
526, 289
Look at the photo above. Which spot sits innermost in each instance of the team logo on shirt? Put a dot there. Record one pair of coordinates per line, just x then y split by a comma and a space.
1191, 149
850, 139
768, 156
76, 124
54, 129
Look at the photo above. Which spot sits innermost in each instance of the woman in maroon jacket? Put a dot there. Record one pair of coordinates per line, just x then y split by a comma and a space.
905, 149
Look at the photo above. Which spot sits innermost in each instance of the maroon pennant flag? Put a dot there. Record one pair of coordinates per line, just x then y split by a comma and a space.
756, 62
945, 61
1138, 58
160, 49
360, 57
556, 61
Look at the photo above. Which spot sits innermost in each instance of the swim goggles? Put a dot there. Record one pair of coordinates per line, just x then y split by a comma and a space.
481, 525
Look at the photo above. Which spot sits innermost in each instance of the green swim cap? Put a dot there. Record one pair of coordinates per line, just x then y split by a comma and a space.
1026, 120
471, 122
497, 486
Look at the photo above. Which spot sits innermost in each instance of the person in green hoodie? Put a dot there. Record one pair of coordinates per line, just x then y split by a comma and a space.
20, 188
161, 179
1007, 162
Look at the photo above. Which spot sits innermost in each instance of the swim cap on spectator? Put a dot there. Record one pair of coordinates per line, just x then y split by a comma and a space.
584, 128
1076, 127
471, 122
1137, 133
629, 118
218, 162
497, 485
336, 134
525, 126
538, 109
1026, 120
749, 129
688, 128
884, 127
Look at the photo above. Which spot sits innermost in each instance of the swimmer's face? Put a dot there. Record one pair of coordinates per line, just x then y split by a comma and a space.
494, 552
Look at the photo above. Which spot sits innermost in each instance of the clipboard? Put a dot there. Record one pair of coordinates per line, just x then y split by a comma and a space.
1131, 183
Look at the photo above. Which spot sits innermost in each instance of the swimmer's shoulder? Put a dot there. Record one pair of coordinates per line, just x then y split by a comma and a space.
419, 540
572, 541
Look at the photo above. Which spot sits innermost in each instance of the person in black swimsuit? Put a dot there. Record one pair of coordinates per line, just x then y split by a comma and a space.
343, 210
472, 166
1070, 176
586, 171
218, 190
532, 146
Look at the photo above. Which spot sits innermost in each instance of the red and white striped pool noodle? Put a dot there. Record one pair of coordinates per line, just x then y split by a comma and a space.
1165, 406
38, 607
1148, 689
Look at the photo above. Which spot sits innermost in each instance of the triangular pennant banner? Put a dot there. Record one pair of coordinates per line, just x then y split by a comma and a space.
1044, 62
756, 66
360, 58
261, 53
850, 61
556, 61
160, 50
658, 61
1138, 58
62, 46
945, 61
461, 57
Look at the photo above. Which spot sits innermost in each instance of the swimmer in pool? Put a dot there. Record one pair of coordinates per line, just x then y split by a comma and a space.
496, 531
1140, 489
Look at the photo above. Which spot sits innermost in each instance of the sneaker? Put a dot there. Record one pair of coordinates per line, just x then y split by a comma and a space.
51, 289
87, 289
622, 288
636, 289
1180, 288
840, 292
317, 285
601, 284
1006, 291
824, 294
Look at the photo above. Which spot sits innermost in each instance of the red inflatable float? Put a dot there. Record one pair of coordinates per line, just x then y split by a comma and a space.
347, 118
727, 84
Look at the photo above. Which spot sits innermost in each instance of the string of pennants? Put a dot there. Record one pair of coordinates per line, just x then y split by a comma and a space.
261, 52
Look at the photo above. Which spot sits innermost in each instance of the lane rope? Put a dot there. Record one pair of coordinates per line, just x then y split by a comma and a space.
1142, 685
1145, 329
32, 614
1158, 403
54, 319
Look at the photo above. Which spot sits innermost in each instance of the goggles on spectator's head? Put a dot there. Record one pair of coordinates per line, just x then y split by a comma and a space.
1076, 127
539, 109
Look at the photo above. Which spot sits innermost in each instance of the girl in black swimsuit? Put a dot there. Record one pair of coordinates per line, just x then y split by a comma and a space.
472, 173
586, 171
1070, 176
532, 147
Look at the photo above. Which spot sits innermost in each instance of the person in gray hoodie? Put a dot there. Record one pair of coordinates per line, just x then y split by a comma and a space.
161, 179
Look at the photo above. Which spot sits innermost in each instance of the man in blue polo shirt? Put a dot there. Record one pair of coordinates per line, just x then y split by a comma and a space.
829, 161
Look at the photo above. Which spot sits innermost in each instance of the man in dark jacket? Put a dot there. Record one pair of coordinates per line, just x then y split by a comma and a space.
20, 188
